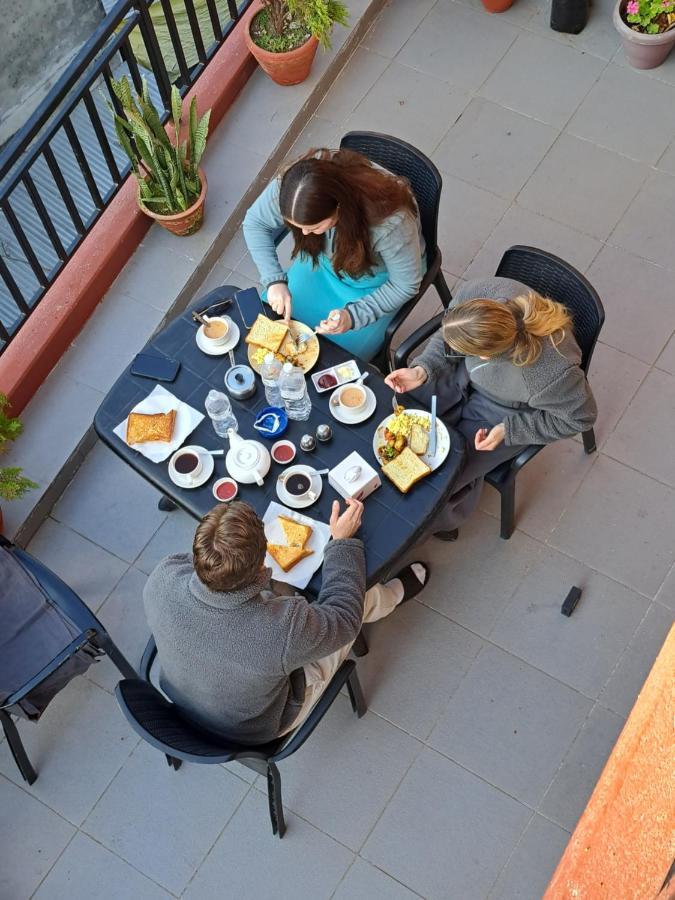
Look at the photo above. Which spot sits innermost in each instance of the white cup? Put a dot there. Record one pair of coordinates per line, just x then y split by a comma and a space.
193, 473
224, 323
352, 392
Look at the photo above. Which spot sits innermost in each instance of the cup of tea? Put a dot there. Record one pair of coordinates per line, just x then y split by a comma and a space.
216, 331
298, 485
225, 489
352, 398
283, 452
187, 464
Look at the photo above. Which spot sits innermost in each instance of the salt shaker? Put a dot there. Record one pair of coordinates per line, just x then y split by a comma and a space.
324, 432
307, 442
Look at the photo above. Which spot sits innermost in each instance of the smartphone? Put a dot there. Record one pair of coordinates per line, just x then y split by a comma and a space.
159, 368
250, 306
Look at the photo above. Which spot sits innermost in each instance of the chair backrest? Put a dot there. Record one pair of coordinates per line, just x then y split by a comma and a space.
553, 277
405, 160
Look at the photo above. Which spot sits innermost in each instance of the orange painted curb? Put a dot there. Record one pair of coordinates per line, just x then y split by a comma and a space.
67, 305
623, 845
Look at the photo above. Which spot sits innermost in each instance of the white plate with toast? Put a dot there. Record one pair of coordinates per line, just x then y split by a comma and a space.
300, 574
274, 336
442, 439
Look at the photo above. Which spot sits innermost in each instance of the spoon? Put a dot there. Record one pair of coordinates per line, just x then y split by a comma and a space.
200, 318
214, 452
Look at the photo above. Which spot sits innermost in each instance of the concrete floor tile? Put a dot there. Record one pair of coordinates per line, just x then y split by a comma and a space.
154, 276
85, 864
364, 880
569, 76
667, 161
446, 833
395, 25
598, 38
462, 203
666, 594
666, 360
583, 186
510, 724
318, 132
218, 276
166, 828
649, 222
519, 14
253, 862
573, 784
175, 535
352, 84
32, 838
614, 378
529, 870
582, 650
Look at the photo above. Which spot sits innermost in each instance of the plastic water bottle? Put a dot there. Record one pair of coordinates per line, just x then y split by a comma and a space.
219, 408
293, 391
270, 372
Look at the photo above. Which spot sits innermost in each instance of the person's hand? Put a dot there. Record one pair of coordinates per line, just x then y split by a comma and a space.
489, 440
337, 322
402, 380
279, 298
346, 524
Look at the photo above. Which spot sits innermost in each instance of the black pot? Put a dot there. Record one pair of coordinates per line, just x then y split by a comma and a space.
569, 16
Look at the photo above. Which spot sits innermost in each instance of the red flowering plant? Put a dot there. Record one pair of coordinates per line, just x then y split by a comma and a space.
650, 16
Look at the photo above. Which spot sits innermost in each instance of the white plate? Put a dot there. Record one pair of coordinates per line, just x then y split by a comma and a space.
301, 573
230, 343
208, 465
365, 413
296, 502
162, 401
442, 439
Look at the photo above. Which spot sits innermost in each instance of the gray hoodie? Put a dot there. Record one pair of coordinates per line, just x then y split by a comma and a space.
233, 661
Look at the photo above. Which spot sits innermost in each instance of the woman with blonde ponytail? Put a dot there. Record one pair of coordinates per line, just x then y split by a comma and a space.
506, 369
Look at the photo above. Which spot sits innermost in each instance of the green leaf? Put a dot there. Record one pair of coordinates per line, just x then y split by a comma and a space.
192, 134
180, 198
176, 107
153, 122
199, 145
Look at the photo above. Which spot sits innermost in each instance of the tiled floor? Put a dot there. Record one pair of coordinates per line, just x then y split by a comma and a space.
490, 715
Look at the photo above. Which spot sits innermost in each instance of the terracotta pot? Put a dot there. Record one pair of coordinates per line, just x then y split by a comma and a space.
290, 67
643, 51
497, 6
182, 223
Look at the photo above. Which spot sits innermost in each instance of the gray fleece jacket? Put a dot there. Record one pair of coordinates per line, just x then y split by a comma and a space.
233, 661
546, 401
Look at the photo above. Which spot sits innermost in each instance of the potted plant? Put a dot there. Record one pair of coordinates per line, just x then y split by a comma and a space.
12, 483
285, 34
171, 186
497, 6
647, 29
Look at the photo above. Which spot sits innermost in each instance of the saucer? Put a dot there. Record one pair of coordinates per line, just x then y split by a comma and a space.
208, 465
295, 502
367, 411
222, 349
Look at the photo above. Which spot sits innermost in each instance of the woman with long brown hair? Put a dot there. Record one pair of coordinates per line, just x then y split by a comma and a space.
506, 369
358, 252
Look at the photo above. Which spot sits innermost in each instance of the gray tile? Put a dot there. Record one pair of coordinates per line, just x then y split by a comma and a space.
364, 880
583, 186
306, 863
163, 822
666, 360
649, 222
614, 378
666, 594
318, 132
395, 25
243, 281
154, 276
233, 252
352, 84
412, 647
422, 107
599, 37
522, 226
473, 579
446, 833
518, 14
494, 148
85, 864
582, 650
667, 161
123, 616
444, 45
462, 203
634, 291
529, 870
510, 724
647, 426
175, 535
103, 498
88, 569
569, 76
32, 838
345, 775
634, 666
602, 119
621, 522
573, 785
218, 276
77, 748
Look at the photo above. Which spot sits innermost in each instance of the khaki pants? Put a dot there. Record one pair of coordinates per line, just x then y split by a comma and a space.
378, 603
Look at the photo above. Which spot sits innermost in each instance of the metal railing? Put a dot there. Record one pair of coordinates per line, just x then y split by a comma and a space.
62, 168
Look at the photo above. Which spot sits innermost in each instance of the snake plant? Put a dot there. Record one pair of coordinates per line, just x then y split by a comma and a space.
167, 173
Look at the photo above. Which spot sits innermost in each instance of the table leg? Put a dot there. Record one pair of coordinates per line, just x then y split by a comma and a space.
166, 504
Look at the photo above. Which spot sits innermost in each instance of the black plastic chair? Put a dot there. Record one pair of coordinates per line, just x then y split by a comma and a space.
92, 638
552, 277
403, 159
159, 723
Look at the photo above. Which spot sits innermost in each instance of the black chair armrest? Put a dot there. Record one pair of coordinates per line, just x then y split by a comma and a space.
418, 337
148, 658
82, 640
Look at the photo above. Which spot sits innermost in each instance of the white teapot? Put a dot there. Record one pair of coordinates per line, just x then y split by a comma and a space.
247, 461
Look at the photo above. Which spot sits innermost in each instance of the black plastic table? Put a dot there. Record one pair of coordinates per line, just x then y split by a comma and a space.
392, 521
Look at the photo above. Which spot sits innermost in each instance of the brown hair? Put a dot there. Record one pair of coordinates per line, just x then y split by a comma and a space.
516, 327
324, 182
229, 547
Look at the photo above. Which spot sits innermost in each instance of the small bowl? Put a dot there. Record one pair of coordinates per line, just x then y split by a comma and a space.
289, 444
217, 484
283, 422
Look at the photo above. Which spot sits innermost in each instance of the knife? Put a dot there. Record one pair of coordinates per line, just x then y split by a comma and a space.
431, 451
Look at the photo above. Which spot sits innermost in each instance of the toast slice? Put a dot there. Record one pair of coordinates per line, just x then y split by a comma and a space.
296, 533
287, 557
266, 333
154, 427
406, 470
419, 440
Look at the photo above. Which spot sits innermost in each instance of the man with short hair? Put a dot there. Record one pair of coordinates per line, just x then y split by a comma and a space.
241, 661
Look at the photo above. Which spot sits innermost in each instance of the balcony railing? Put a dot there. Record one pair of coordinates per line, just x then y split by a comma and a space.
62, 168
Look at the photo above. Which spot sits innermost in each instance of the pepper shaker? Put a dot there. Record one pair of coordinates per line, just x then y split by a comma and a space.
324, 432
307, 442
